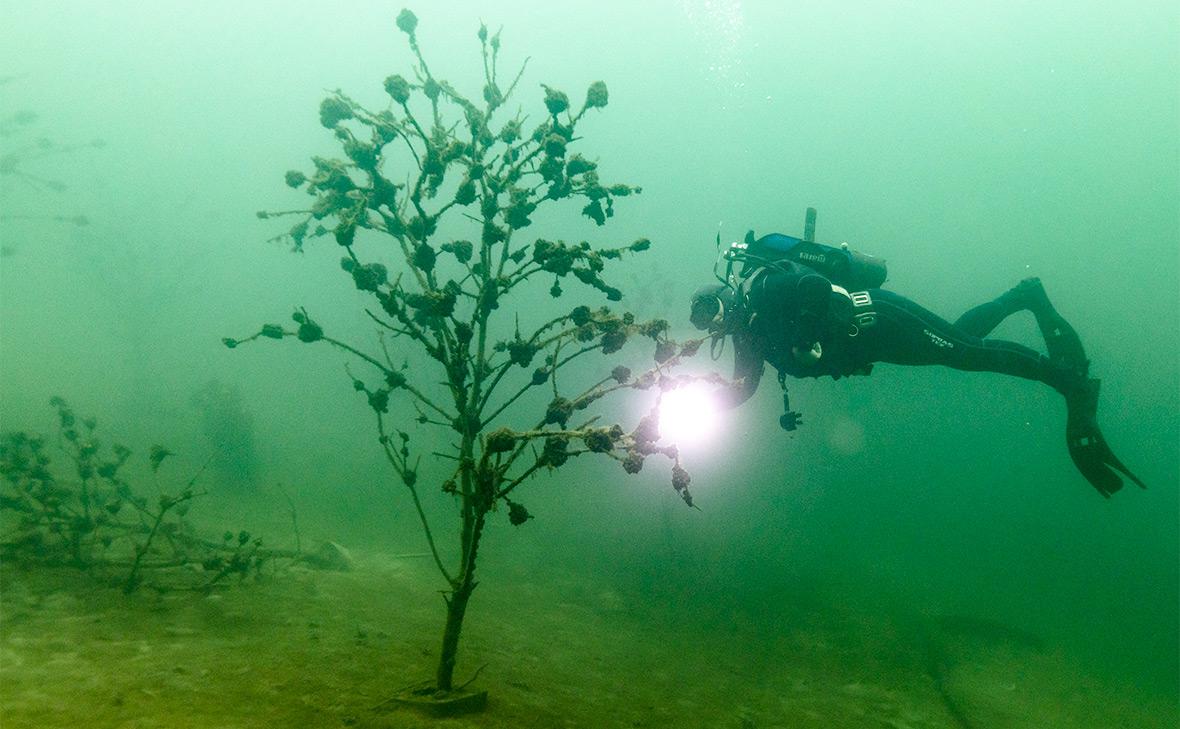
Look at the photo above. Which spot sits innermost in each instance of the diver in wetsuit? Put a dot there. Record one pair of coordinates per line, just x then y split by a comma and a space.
803, 325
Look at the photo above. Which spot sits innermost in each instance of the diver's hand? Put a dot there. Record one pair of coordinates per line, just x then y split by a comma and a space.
790, 420
808, 356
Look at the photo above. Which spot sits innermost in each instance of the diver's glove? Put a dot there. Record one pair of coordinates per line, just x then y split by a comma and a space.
790, 420
808, 355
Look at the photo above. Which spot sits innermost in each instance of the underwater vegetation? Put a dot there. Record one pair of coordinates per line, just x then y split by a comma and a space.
87, 514
20, 153
437, 154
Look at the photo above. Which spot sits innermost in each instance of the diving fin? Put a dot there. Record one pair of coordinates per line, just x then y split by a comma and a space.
1087, 447
1062, 342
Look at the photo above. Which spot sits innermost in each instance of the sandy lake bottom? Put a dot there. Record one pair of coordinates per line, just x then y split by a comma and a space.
325, 649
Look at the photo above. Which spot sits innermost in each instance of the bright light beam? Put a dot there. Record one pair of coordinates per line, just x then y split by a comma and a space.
688, 415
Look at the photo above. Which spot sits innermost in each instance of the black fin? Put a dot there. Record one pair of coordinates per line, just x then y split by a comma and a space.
1088, 448
1061, 340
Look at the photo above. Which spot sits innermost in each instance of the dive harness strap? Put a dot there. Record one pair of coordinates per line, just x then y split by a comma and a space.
863, 313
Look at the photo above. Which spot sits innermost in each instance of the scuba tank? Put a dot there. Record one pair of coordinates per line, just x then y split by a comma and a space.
846, 268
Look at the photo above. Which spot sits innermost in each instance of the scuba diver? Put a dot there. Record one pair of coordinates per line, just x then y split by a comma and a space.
811, 310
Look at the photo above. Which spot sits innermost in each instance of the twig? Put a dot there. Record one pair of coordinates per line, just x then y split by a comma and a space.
294, 519
401, 469
471, 680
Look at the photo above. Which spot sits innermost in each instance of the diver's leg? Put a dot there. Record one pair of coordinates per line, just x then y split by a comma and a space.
1028, 295
983, 319
1064, 346
906, 333
1062, 342
1087, 446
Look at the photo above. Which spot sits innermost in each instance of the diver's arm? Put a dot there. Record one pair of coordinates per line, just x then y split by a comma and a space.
803, 299
748, 364
814, 294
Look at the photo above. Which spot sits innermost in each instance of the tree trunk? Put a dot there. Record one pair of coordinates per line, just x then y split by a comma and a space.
457, 607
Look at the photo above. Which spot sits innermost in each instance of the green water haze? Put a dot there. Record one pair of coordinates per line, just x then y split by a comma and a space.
923, 522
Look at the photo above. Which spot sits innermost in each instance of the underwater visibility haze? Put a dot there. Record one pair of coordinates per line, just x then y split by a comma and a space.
315, 318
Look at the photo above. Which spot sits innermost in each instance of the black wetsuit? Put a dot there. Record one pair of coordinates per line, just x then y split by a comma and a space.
787, 312
782, 314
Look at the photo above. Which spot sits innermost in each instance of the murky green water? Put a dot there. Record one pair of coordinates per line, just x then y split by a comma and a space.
921, 553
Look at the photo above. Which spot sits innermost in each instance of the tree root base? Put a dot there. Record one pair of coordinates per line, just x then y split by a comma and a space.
425, 698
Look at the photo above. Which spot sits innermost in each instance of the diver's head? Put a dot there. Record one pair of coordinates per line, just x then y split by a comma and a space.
714, 309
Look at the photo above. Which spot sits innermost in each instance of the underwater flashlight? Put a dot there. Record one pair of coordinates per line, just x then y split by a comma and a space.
688, 414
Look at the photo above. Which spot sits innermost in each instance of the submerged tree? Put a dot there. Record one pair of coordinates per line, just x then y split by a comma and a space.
458, 301
87, 513
18, 153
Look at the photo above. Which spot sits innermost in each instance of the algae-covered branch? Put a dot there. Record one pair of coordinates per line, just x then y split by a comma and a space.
71, 502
